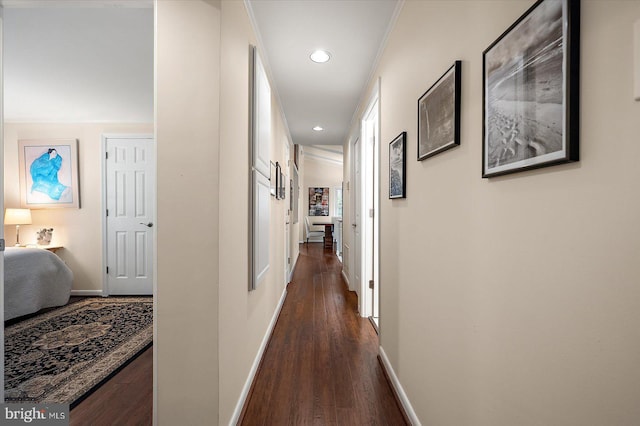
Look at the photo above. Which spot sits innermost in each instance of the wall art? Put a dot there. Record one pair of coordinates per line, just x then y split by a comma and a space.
439, 114
531, 91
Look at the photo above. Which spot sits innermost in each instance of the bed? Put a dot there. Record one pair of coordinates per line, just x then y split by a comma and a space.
34, 279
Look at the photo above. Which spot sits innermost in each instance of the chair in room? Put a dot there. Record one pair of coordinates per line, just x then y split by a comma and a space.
310, 233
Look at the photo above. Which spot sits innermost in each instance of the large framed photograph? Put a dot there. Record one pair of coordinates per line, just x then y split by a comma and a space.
439, 114
398, 166
531, 91
318, 201
48, 173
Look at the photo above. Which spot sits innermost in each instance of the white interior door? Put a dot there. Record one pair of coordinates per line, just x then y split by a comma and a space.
130, 215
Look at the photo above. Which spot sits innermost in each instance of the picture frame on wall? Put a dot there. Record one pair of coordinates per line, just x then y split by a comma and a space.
278, 179
48, 173
282, 189
531, 91
439, 114
398, 167
272, 180
318, 201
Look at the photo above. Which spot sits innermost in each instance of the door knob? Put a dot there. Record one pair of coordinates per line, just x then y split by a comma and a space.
148, 225
354, 224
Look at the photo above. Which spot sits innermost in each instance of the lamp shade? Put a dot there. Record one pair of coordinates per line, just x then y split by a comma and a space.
17, 217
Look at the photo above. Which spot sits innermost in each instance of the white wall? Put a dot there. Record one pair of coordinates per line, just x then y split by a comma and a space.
188, 140
244, 316
513, 300
78, 230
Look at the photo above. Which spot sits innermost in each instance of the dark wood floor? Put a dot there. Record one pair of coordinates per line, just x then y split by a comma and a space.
126, 399
321, 366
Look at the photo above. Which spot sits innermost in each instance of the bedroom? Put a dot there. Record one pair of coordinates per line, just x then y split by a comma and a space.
73, 74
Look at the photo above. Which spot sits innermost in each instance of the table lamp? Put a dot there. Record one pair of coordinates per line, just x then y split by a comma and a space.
17, 217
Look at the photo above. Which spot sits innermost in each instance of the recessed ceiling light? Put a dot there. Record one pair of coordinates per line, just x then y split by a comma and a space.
320, 56
318, 129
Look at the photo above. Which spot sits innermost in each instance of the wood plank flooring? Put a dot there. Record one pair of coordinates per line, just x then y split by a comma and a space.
321, 366
125, 399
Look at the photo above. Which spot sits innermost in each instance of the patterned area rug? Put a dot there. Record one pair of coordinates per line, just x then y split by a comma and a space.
59, 356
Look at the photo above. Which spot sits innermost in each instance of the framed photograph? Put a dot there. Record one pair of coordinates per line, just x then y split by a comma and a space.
48, 173
278, 179
282, 189
398, 166
318, 201
531, 91
272, 179
439, 114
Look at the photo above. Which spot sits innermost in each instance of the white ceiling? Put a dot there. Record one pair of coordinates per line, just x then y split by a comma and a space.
62, 55
66, 63
311, 94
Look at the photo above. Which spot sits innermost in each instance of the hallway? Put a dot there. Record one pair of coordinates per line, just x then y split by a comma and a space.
321, 364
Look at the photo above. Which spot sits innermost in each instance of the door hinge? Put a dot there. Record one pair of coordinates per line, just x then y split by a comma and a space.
107, 270
107, 212
106, 155
371, 213
288, 261
371, 284
2, 244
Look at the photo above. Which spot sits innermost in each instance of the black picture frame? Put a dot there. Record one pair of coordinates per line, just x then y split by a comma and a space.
398, 167
439, 114
278, 180
272, 179
531, 91
282, 188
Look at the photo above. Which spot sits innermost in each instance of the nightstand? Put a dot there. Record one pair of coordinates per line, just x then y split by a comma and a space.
52, 249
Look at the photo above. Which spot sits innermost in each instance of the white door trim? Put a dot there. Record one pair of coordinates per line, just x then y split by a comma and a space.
105, 137
370, 157
1, 198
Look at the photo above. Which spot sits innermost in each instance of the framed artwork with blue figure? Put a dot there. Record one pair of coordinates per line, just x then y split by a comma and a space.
48, 173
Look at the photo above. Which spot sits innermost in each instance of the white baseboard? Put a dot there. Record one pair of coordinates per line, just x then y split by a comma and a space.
395, 382
86, 292
295, 263
345, 279
256, 363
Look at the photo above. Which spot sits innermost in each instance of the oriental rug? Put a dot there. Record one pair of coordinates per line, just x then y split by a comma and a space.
62, 355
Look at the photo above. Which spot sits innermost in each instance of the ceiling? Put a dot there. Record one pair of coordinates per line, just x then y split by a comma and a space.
312, 94
60, 56
57, 61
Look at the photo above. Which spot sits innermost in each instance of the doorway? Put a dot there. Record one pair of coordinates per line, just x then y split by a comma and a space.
366, 206
129, 197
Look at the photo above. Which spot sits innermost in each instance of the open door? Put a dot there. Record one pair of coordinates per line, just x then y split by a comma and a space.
367, 203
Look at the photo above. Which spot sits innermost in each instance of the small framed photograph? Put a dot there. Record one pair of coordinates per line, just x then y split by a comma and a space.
272, 179
278, 179
398, 166
48, 173
439, 114
282, 189
531, 91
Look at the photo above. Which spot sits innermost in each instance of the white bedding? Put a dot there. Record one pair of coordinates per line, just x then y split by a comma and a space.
34, 279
